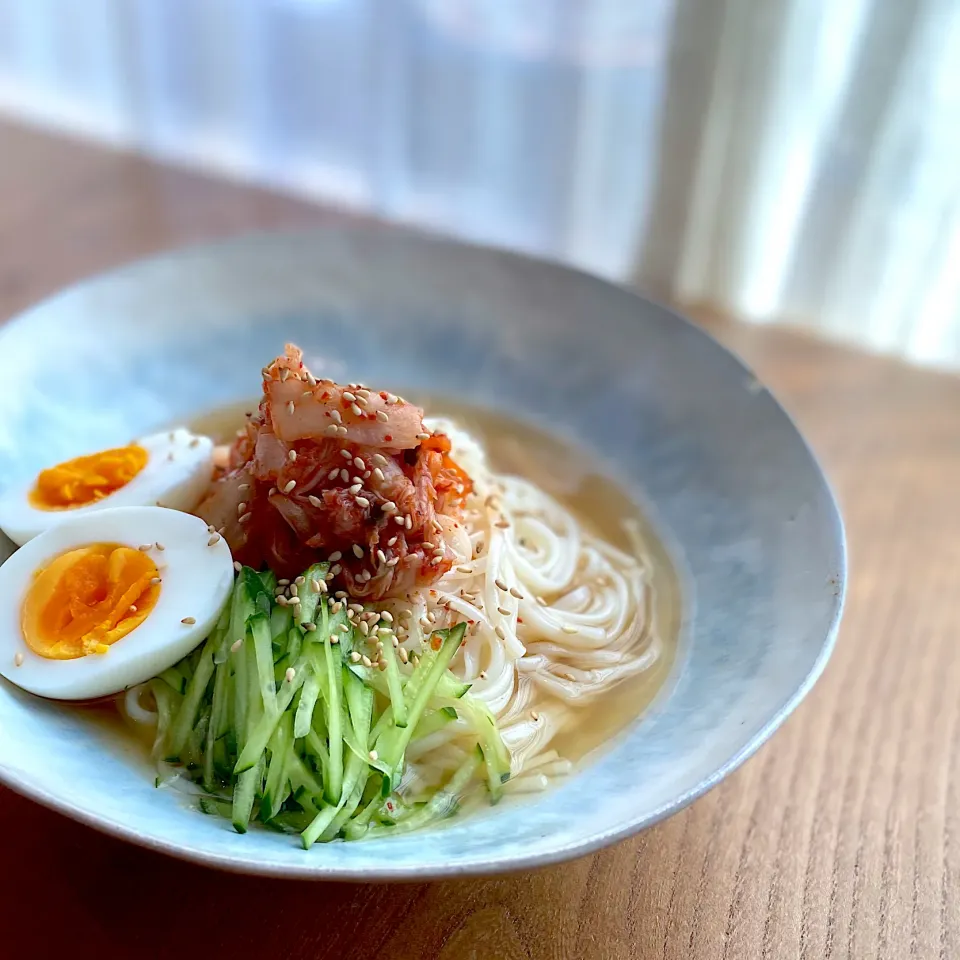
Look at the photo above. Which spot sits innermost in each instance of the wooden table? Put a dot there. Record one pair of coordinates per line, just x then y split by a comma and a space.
841, 838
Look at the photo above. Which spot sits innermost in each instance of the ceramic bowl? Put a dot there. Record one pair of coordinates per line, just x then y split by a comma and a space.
728, 481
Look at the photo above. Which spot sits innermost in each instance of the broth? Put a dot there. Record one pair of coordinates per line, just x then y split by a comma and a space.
599, 504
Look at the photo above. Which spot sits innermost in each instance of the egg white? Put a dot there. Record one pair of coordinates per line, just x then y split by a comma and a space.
177, 473
196, 581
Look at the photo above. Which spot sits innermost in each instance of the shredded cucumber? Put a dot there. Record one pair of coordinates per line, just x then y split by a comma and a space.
278, 723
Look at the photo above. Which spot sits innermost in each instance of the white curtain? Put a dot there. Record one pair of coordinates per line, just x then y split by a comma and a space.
782, 160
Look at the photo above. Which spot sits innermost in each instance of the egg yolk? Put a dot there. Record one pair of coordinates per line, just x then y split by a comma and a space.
87, 599
85, 480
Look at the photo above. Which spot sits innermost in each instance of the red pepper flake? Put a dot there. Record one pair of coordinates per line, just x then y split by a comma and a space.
519, 619
325, 395
382, 394
436, 643
388, 437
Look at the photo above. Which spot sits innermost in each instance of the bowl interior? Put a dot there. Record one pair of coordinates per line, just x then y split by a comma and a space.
680, 423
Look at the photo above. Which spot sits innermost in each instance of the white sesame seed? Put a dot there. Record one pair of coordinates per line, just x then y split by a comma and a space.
364, 627
290, 674
159, 546
343, 628
294, 590
294, 601
569, 628
236, 645
144, 547
155, 580
241, 509
386, 615
344, 476
464, 569
243, 487
335, 556
382, 416
423, 436
188, 620
499, 632
503, 611
501, 585
292, 455
357, 550
246, 518
282, 601
291, 407
483, 674
534, 715
366, 661
514, 592
214, 539
355, 657
18, 659
335, 416
336, 570
408, 522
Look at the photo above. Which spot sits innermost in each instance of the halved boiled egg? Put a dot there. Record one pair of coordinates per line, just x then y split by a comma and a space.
109, 599
171, 469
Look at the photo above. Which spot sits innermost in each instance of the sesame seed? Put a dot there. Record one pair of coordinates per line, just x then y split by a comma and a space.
18, 659
541, 601
363, 502
335, 416
246, 518
214, 539
374, 755
294, 589
290, 674
569, 628
160, 546
503, 611
357, 550
382, 416
144, 547
355, 657
331, 431
237, 565
499, 632
188, 620
386, 615
534, 715
379, 459
241, 509
404, 656
366, 661
294, 601
464, 569
132, 608
500, 585
283, 582
483, 674
291, 407
335, 556
348, 396
236, 645
514, 592
243, 487
343, 628
423, 436
336, 570
364, 627
155, 580
282, 601
292, 455
502, 525
315, 501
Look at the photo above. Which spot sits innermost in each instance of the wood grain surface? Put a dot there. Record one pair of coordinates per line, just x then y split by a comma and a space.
840, 838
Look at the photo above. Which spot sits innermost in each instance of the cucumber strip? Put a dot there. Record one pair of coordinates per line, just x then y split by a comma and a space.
496, 757
260, 735
218, 715
307, 608
281, 619
301, 778
432, 722
219, 808
308, 700
444, 802
333, 781
392, 744
260, 631
346, 811
243, 796
352, 783
269, 580
252, 586
168, 705
174, 678
395, 685
187, 714
277, 787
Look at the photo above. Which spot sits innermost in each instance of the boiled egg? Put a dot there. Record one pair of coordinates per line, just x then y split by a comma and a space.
170, 469
109, 599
